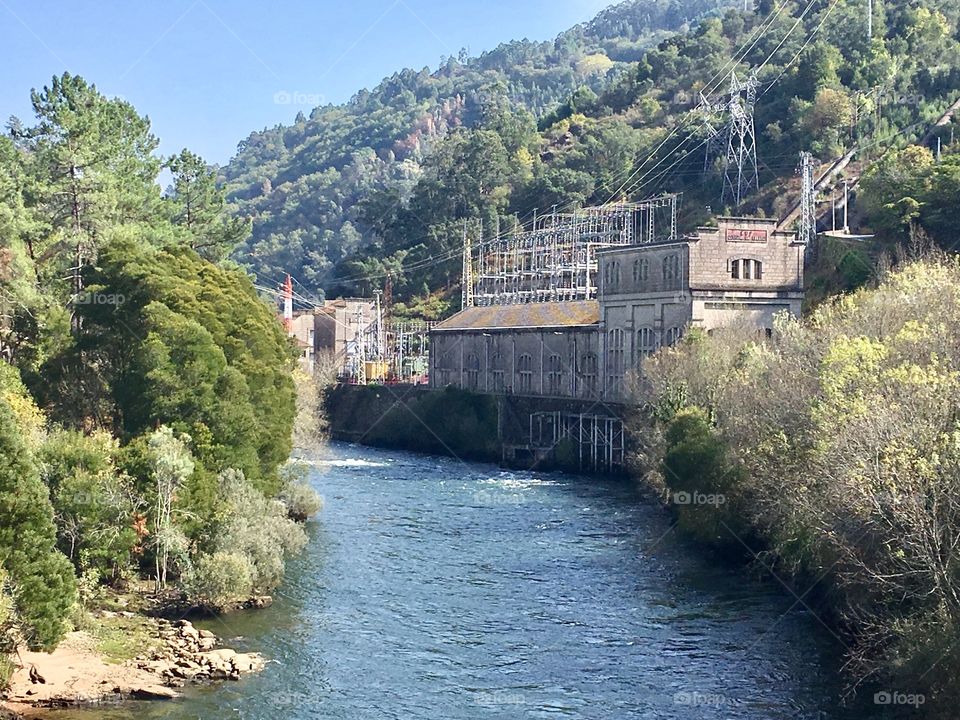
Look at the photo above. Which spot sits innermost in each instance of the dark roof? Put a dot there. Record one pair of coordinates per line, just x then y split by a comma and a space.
526, 315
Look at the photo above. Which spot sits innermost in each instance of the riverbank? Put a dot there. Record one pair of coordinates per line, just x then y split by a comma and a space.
841, 473
94, 667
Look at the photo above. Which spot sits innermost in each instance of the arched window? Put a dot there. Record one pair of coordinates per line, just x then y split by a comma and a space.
612, 274
746, 269
615, 365
641, 272
525, 373
646, 342
554, 374
673, 335
588, 372
496, 372
473, 371
671, 272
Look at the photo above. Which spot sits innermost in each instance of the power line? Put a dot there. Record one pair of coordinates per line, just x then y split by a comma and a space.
802, 47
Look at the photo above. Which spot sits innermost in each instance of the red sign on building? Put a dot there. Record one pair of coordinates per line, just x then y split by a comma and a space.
745, 235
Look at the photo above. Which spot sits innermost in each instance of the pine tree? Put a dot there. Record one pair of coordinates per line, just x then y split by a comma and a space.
198, 205
93, 167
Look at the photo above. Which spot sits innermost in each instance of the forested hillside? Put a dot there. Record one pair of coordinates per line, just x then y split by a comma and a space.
380, 188
303, 183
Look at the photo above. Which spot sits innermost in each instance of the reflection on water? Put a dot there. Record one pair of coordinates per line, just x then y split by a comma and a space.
436, 589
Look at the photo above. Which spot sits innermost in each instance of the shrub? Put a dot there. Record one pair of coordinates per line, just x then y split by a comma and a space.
217, 581
701, 482
93, 500
844, 430
256, 528
301, 500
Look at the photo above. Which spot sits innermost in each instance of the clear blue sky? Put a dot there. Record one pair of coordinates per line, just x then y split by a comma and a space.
208, 72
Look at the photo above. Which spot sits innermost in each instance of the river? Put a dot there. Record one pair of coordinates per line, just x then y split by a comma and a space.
441, 590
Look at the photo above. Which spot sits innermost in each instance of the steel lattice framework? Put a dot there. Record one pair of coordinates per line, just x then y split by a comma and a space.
555, 259
728, 123
808, 199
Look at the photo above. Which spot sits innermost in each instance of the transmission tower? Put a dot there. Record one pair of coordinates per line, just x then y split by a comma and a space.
740, 173
808, 199
466, 278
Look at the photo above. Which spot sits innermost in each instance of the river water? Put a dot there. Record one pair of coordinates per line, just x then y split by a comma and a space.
440, 590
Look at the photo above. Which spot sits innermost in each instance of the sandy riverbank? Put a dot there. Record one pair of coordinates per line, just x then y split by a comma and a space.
79, 673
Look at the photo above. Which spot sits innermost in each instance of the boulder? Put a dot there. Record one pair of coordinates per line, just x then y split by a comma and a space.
153, 692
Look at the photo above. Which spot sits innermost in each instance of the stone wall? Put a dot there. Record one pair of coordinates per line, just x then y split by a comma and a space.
550, 362
455, 422
714, 249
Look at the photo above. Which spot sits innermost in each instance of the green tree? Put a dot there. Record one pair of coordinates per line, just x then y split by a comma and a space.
172, 465
92, 163
94, 502
183, 343
199, 207
41, 577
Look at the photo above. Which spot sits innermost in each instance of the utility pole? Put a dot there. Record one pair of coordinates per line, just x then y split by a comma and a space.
808, 200
360, 372
378, 349
466, 277
833, 209
711, 114
846, 201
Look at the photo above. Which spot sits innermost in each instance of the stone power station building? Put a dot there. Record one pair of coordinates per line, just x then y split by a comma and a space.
639, 297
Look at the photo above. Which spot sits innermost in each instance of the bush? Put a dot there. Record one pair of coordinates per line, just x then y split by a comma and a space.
310, 425
701, 482
301, 500
257, 529
93, 500
219, 580
8, 640
845, 435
